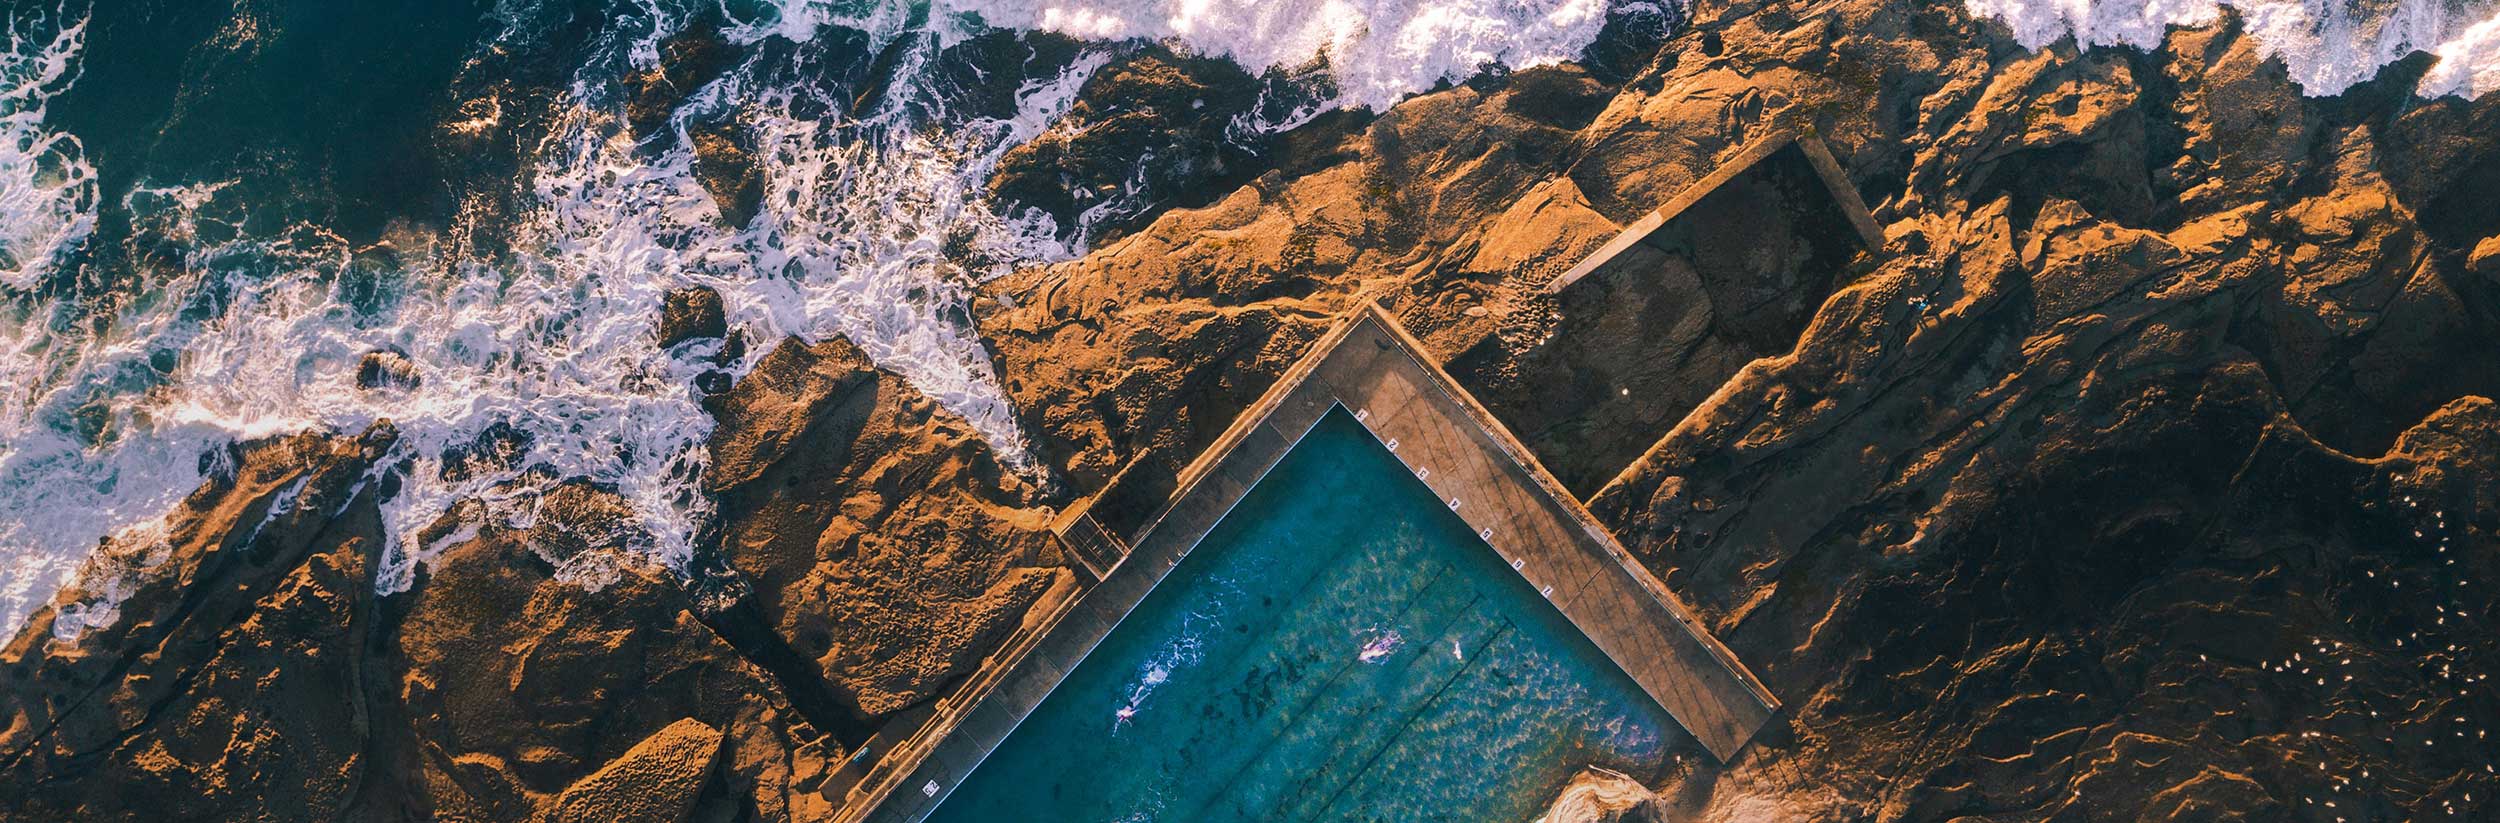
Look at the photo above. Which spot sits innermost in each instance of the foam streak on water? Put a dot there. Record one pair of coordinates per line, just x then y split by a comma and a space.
875, 226
47, 190
47, 206
261, 335
1376, 52
2329, 45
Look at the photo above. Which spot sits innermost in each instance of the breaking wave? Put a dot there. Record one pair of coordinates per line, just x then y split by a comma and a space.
1374, 52
549, 351
47, 207
2329, 45
874, 225
47, 189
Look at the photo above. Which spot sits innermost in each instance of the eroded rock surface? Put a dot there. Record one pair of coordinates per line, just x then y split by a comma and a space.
1603, 797
1148, 347
2145, 473
882, 537
254, 672
1152, 127
657, 781
691, 313
223, 684
2142, 475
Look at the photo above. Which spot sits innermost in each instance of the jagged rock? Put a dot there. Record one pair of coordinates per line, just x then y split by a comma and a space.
2486, 259
253, 672
1147, 129
531, 658
219, 684
726, 166
387, 369
795, 388
882, 537
656, 781
691, 313
2168, 375
1597, 796
689, 59
1147, 348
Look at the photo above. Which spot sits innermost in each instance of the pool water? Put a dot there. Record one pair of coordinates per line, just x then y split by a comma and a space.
1340, 647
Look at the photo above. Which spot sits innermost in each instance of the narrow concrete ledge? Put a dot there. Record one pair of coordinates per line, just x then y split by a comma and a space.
1844, 195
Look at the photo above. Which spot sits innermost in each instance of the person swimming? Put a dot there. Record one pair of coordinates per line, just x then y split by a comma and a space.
1378, 648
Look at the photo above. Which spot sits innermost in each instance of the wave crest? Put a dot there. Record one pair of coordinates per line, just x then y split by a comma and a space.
2328, 45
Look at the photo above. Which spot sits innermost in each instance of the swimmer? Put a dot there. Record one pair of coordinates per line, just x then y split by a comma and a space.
1378, 648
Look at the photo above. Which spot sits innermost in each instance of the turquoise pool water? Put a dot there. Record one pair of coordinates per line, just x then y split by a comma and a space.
1340, 647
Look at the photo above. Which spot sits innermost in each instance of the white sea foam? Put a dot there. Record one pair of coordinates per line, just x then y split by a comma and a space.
1377, 52
873, 228
554, 342
2469, 62
47, 189
2328, 45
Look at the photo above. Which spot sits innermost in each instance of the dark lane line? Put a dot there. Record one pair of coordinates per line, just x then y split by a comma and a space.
1425, 709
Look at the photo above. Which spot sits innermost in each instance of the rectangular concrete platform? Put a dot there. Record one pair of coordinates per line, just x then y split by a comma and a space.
1373, 369
1819, 156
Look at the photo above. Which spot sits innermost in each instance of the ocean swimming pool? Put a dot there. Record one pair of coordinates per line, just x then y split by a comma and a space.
1340, 647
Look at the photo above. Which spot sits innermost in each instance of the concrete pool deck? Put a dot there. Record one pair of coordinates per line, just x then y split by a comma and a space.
1374, 370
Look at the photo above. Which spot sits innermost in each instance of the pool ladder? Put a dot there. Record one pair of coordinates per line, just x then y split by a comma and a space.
1093, 546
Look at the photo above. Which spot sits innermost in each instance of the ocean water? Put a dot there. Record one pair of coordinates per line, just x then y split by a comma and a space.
210, 213
1341, 647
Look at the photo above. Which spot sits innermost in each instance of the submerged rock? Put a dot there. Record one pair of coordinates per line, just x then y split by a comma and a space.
724, 153
691, 313
689, 59
726, 166
387, 369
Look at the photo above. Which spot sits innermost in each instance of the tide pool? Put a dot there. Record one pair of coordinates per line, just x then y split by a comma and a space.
1340, 647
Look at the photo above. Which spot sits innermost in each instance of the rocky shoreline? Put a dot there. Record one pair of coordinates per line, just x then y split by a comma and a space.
2146, 472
